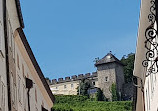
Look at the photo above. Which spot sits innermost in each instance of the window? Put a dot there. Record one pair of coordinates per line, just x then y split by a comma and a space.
64, 86
19, 89
56, 87
24, 97
23, 71
36, 95
72, 85
1, 39
14, 93
106, 79
93, 83
18, 61
12, 88
2, 98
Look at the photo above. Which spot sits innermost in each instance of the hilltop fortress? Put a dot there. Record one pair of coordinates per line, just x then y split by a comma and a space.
109, 71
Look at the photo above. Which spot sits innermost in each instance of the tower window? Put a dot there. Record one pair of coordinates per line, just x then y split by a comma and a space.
106, 79
93, 83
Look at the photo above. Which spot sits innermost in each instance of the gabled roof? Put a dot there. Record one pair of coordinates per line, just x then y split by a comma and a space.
109, 58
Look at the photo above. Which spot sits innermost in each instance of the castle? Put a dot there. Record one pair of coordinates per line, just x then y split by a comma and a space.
109, 71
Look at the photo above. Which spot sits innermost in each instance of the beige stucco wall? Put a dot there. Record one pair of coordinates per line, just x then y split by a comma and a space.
66, 88
60, 89
30, 72
3, 81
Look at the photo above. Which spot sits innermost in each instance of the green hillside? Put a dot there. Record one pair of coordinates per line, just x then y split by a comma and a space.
82, 103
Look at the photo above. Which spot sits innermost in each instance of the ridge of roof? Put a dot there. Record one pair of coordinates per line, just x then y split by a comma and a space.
109, 58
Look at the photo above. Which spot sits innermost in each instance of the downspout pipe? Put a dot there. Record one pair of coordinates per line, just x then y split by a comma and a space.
28, 99
29, 85
6, 53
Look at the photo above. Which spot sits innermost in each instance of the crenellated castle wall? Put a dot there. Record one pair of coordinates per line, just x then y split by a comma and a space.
72, 78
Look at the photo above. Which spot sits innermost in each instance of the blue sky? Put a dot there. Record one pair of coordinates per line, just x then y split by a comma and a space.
66, 35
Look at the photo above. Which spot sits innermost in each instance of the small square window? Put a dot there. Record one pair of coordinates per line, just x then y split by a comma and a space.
72, 85
65, 86
106, 79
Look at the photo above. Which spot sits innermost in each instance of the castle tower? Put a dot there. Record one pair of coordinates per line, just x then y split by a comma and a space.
110, 70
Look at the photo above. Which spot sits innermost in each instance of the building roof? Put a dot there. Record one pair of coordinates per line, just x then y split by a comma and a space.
35, 64
19, 13
30, 53
109, 58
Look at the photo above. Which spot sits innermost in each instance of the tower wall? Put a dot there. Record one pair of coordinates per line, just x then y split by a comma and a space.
106, 77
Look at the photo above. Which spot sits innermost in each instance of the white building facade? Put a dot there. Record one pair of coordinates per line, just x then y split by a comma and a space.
146, 68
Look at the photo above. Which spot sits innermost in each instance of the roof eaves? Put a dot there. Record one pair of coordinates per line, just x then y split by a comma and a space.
97, 64
35, 64
19, 13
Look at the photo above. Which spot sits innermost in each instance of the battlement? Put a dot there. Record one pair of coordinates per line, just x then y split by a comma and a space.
72, 78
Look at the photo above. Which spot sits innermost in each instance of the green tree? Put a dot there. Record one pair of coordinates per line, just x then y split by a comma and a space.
128, 61
100, 95
114, 92
83, 87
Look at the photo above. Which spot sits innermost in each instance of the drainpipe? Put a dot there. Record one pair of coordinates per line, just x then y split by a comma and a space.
6, 53
29, 85
28, 97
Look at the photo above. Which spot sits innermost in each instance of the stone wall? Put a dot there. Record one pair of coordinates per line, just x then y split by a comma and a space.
119, 79
72, 78
106, 77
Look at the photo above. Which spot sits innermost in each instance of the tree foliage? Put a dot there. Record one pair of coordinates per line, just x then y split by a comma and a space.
114, 92
83, 87
128, 61
100, 95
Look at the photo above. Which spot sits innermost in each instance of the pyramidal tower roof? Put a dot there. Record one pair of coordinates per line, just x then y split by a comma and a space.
109, 58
